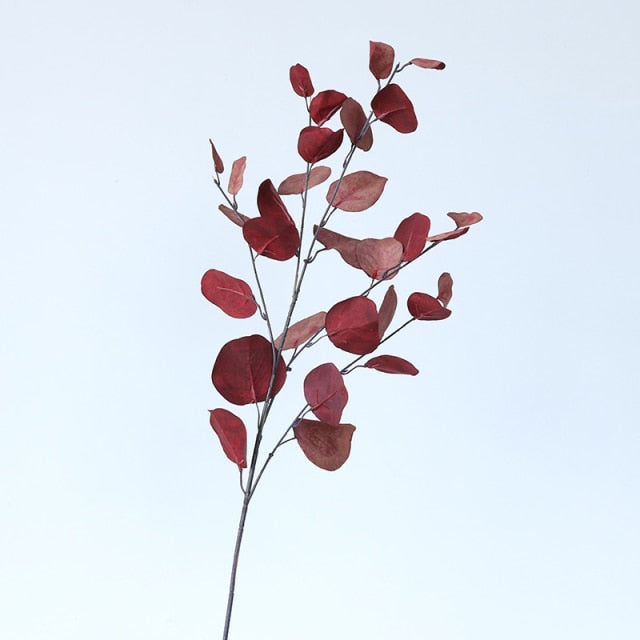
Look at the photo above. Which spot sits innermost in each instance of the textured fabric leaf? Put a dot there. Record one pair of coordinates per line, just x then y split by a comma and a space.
295, 184
325, 104
448, 235
358, 191
232, 434
425, 63
232, 295
301, 80
422, 306
352, 325
345, 246
270, 204
387, 310
217, 160
326, 445
381, 57
377, 256
236, 175
392, 105
412, 232
242, 370
353, 120
235, 216
325, 393
465, 219
318, 143
391, 364
272, 237
301, 331
445, 288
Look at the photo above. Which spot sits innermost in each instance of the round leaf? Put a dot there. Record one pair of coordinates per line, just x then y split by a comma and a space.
232, 295
357, 191
325, 392
392, 105
352, 325
327, 446
422, 306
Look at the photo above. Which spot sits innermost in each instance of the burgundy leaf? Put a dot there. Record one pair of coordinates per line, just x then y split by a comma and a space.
358, 191
232, 433
391, 364
270, 204
353, 120
296, 183
325, 392
448, 235
325, 104
327, 446
301, 331
392, 105
352, 325
318, 143
237, 173
445, 288
376, 257
465, 219
232, 295
425, 63
217, 160
422, 306
301, 80
380, 59
412, 232
242, 371
345, 246
387, 310
273, 238
235, 216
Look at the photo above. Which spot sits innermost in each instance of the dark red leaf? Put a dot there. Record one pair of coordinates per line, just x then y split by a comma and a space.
376, 257
242, 371
345, 246
237, 173
232, 295
358, 191
445, 288
273, 238
301, 80
327, 446
422, 306
325, 104
387, 310
381, 57
425, 63
392, 105
232, 433
448, 235
217, 160
391, 364
353, 120
465, 219
325, 392
235, 216
301, 331
318, 143
296, 183
270, 204
352, 325
412, 232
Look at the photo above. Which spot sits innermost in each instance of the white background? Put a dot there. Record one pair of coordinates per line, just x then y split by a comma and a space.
493, 497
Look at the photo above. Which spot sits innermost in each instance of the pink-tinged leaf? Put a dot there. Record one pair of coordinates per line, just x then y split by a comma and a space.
448, 235
354, 120
352, 325
270, 204
232, 295
217, 160
422, 306
325, 392
296, 183
327, 446
232, 433
387, 310
242, 371
412, 232
445, 288
237, 173
381, 57
301, 331
235, 216
345, 246
273, 238
301, 81
325, 104
318, 143
358, 191
392, 105
391, 364
465, 219
425, 63
376, 257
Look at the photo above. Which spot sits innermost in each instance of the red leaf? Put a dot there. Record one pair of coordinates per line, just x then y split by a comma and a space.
358, 191
232, 433
425, 63
422, 306
465, 219
301, 80
325, 104
237, 172
217, 160
232, 295
235, 216
387, 310
380, 59
326, 445
445, 288
272, 237
325, 392
392, 105
345, 246
301, 331
353, 120
352, 325
318, 143
270, 204
376, 257
412, 232
448, 235
296, 183
391, 364
242, 371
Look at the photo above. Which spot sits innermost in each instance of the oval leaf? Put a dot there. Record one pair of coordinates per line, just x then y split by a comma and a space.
392, 105
318, 143
448, 235
301, 331
387, 310
296, 183
325, 392
232, 433
270, 204
235, 216
381, 57
236, 175
412, 232
232, 295
325, 104
445, 288
354, 121
352, 325
376, 257
425, 63
242, 370
465, 219
358, 191
327, 446
272, 237
301, 80
391, 364
217, 160
422, 306
345, 246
